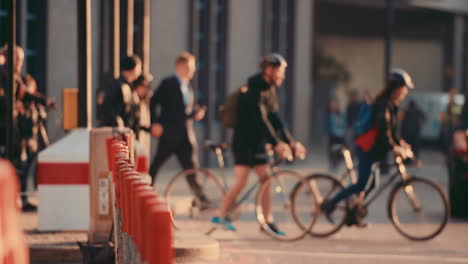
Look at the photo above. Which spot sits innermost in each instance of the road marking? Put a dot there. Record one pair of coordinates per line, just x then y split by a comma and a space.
339, 255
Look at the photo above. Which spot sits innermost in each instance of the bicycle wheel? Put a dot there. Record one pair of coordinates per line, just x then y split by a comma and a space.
189, 210
306, 198
418, 208
273, 204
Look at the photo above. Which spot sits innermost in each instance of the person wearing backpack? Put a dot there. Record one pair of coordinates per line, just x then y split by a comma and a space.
376, 129
257, 125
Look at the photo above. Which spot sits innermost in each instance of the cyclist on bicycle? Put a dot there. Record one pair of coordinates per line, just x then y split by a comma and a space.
373, 145
258, 125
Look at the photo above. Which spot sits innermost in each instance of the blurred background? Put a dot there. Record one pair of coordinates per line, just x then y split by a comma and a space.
334, 48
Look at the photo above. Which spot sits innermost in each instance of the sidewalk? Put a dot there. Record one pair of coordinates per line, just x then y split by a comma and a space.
52, 247
61, 247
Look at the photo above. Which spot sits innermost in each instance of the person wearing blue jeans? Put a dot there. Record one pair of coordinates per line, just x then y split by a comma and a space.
374, 144
364, 171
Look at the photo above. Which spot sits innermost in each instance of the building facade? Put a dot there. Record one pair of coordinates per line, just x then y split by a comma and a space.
332, 46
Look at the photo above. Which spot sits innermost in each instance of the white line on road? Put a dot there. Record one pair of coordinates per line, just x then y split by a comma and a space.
352, 255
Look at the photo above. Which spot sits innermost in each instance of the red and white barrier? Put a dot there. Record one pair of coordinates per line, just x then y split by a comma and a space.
63, 183
63, 174
13, 249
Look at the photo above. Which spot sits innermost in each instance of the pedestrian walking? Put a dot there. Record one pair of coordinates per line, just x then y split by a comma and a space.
173, 111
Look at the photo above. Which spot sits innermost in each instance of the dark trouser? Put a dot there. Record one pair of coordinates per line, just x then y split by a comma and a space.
364, 171
186, 153
334, 154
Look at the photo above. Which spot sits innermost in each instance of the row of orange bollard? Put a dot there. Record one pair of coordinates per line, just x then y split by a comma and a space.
142, 218
13, 249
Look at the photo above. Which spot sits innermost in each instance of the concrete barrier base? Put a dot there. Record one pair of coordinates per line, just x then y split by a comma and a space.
192, 245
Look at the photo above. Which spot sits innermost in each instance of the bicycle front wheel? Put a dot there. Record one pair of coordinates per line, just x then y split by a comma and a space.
193, 196
273, 205
307, 197
418, 208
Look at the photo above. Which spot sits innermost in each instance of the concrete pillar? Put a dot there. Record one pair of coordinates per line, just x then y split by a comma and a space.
169, 35
303, 69
458, 49
62, 57
244, 41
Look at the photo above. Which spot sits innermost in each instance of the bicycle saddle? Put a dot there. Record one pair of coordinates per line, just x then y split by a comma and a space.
214, 145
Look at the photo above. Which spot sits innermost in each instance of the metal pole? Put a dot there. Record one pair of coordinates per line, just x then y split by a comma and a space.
10, 141
146, 36
390, 22
130, 24
84, 63
458, 47
115, 39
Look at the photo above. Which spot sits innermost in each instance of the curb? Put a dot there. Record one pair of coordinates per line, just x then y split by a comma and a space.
56, 254
192, 245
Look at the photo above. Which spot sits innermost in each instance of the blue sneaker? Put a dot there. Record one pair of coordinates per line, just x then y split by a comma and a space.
217, 220
226, 224
275, 229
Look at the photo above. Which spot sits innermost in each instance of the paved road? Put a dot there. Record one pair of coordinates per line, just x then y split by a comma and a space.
378, 243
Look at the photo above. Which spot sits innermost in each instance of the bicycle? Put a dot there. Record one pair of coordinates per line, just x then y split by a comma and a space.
275, 189
418, 208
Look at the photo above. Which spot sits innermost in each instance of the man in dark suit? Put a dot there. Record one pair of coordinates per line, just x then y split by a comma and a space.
173, 111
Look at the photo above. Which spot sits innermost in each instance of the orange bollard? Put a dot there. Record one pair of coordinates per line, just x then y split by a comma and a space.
142, 164
112, 146
160, 235
126, 190
142, 193
13, 249
123, 169
148, 199
133, 207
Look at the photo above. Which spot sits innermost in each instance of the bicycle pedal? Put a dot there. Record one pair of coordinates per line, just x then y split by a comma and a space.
209, 232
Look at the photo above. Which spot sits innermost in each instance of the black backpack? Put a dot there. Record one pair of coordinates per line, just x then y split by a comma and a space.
228, 111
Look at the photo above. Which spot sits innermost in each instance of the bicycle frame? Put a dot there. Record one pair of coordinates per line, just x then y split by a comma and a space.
274, 167
400, 173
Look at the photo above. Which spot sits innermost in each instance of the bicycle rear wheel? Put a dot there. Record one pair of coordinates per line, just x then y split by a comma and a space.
191, 211
273, 203
418, 208
315, 189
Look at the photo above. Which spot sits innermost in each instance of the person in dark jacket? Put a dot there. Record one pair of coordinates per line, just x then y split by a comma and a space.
413, 120
258, 125
374, 144
173, 112
464, 115
119, 100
